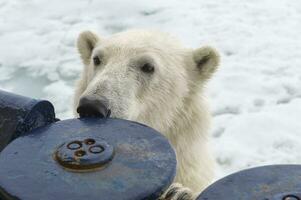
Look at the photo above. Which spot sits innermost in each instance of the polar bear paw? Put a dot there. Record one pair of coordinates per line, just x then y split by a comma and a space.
177, 192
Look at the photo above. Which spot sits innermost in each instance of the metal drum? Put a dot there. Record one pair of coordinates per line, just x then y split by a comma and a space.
275, 182
87, 158
19, 114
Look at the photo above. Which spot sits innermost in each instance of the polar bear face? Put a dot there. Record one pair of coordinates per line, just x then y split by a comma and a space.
140, 75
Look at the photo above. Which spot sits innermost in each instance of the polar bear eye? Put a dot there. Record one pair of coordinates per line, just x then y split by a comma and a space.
96, 60
147, 68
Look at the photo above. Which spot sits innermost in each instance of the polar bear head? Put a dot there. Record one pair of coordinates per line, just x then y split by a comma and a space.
146, 76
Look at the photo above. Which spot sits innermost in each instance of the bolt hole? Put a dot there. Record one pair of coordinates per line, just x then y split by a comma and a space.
96, 149
89, 141
74, 145
291, 197
80, 153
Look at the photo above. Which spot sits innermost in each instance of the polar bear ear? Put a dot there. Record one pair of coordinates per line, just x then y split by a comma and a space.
207, 60
86, 43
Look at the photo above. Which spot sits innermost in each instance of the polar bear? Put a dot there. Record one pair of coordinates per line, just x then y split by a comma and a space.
150, 77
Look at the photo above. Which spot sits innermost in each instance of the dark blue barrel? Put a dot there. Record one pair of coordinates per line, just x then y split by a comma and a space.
274, 182
19, 114
87, 158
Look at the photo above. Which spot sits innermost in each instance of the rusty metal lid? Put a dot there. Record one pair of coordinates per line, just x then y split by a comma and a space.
87, 159
274, 182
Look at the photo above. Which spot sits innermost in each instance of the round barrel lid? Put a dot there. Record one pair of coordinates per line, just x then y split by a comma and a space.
87, 159
274, 182
19, 114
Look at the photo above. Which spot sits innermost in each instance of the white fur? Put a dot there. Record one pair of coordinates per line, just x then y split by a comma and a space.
170, 100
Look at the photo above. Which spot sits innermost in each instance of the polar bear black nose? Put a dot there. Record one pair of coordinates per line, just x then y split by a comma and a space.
92, 107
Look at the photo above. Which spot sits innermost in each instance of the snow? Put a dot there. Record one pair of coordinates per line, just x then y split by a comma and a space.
255, 96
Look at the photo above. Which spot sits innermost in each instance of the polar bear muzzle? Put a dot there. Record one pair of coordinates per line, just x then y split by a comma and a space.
92, 107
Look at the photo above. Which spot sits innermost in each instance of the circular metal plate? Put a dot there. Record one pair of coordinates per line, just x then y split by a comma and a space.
142, 167
275, 182
84, 154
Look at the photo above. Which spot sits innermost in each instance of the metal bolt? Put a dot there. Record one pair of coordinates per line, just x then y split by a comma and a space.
291, 197
96, 149
74, 145
80, 153
89, 141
